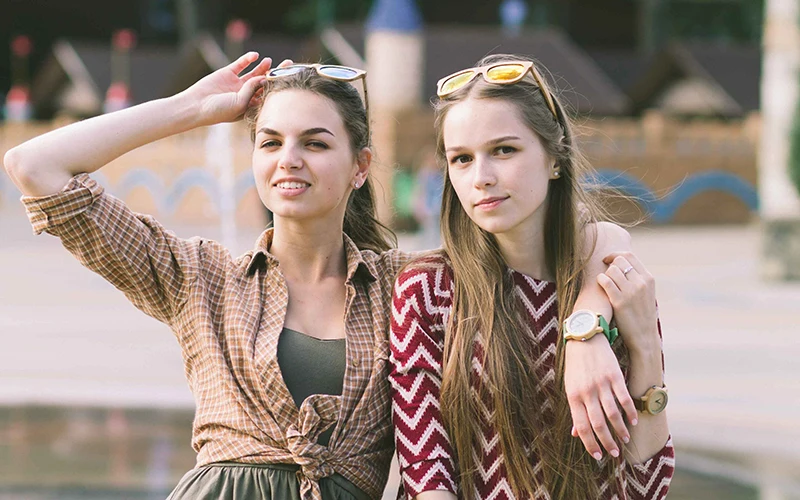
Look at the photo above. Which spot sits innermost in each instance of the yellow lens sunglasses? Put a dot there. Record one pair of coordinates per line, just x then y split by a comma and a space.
504, 73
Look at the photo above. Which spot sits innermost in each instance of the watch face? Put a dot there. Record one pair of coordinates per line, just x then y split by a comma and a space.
581, 323
657, 401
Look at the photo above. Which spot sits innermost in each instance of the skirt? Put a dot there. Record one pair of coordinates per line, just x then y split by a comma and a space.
235, 481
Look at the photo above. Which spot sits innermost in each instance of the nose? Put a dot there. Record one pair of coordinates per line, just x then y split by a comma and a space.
484, 174
291, 159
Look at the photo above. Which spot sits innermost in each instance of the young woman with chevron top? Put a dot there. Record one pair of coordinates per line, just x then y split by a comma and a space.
487, 404
286, 347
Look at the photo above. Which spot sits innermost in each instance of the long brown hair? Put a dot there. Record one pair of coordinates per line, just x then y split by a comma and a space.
361, 222
484, 301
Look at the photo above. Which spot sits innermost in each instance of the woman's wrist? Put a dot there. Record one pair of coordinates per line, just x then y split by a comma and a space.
646, 370
186, 110
646, 345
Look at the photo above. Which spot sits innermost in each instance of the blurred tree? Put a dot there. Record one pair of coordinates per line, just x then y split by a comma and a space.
724, 20
310, 14
794, 141
794, 153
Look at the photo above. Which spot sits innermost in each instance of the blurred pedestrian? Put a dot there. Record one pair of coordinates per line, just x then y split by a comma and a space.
427, 199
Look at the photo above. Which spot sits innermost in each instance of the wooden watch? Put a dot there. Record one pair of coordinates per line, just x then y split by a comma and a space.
654, 400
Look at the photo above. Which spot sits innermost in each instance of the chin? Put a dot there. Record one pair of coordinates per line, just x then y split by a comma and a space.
493, 226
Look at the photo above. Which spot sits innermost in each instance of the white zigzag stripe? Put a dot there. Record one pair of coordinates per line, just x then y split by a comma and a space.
417, 447
402, 344
423, 482
436, 453
422, 278
545, 356
413, 421
488, 446
536, 313
484, 410
438, 282
501, 488
415, 330
408, 394
551, 325
644, 488
486, 474
421, 352
537, 287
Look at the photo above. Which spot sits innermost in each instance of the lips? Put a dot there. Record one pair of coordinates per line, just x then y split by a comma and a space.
490, 202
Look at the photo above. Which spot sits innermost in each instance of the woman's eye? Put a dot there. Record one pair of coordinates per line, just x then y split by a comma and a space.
506, 150
318, 144
270, 144
460, 159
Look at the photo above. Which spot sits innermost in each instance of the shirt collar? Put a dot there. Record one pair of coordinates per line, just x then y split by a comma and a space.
356, 263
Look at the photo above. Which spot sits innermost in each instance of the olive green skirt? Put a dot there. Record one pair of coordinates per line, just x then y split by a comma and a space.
234, 481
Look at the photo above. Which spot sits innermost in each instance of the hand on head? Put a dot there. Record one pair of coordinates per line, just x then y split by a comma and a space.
224, 95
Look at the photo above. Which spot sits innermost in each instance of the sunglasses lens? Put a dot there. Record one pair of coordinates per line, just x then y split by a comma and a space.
456, 82
338, 72
505, 73
290, 70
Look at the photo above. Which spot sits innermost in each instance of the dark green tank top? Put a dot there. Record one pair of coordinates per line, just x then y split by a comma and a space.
311, 366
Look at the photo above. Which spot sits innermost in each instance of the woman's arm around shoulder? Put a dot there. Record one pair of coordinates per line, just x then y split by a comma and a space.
593, 379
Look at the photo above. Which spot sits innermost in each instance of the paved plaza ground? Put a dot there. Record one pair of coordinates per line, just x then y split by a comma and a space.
732, 345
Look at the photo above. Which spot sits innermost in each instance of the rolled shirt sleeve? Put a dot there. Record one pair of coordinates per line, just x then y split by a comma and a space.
150, 265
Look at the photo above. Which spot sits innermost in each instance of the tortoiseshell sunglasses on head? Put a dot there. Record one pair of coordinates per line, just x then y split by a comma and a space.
332, 71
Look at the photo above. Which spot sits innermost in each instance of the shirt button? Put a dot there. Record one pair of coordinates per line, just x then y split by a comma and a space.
354, 362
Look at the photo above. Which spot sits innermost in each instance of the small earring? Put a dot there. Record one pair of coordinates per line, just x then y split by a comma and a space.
556, 174
356, 184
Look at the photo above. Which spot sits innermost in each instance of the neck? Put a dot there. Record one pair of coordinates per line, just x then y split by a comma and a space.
309, 251
523, 251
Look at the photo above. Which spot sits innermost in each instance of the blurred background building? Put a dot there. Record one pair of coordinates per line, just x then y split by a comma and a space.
685, 106
662, 83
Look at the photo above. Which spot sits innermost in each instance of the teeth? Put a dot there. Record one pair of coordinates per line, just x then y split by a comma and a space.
292, 185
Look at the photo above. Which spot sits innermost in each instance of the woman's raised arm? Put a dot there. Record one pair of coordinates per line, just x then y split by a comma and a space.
44, 164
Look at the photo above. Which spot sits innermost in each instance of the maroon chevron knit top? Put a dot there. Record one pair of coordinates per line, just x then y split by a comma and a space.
421, 306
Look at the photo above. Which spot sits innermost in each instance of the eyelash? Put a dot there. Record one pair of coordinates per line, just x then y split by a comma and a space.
315, 144
456, 159
499, 150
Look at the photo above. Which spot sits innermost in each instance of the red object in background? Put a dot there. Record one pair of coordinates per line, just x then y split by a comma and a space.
17, 94
118, 97
124, 39
18, 104
238, 30
21, 46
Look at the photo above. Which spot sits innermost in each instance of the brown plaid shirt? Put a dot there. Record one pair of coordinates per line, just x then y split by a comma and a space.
227, 314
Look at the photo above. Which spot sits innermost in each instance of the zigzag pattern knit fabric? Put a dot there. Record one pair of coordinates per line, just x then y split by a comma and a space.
422, 303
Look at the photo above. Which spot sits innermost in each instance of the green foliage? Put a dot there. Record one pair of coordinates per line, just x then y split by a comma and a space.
305, 15
794, 146
729, 20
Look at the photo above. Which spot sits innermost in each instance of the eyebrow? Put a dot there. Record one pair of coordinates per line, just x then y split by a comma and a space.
305, 133
488, 143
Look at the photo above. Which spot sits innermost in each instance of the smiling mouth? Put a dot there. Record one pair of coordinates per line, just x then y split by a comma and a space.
292, 185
